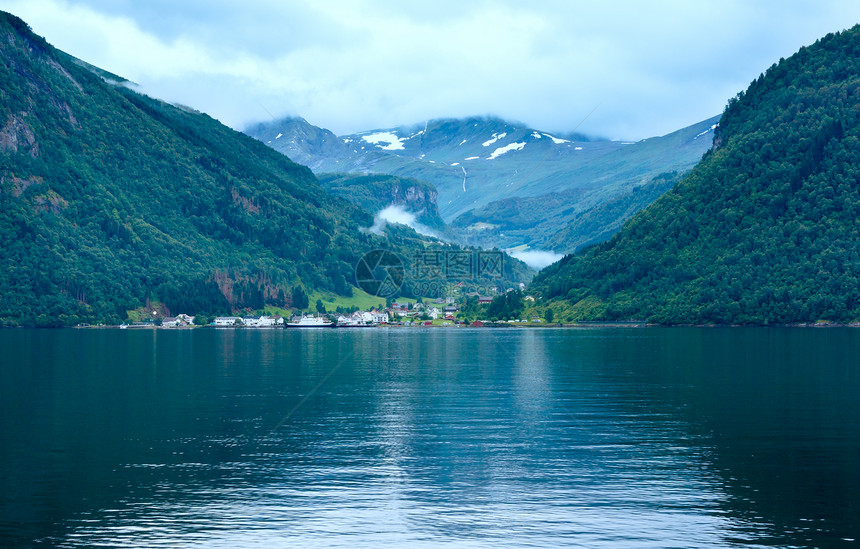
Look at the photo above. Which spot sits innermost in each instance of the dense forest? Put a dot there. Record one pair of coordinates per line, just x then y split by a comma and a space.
110, 200
764, 230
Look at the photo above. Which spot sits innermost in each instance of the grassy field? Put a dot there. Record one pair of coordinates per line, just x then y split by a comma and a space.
361, 299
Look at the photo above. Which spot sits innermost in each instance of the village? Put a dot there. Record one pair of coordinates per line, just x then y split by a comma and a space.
447, 311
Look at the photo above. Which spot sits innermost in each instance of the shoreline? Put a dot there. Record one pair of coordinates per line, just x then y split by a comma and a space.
503, 325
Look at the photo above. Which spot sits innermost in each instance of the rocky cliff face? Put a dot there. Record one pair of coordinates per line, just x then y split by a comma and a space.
414, 197
377, 192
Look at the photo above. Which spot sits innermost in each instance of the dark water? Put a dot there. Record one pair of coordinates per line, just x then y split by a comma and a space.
461, 437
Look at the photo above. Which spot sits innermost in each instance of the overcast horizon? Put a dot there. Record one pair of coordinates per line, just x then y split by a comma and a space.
620, 70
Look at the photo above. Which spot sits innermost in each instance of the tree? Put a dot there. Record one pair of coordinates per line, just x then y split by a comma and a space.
202, 319
320, 307
549, 315
299, 298
506, 306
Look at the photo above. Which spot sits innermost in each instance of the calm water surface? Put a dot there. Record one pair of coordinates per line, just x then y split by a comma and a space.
412, 437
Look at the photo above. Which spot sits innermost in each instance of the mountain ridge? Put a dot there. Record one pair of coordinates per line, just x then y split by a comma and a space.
458, 155
111, 201
762, 231
481, 166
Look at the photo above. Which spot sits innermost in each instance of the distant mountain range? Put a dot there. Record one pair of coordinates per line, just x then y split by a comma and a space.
484, 166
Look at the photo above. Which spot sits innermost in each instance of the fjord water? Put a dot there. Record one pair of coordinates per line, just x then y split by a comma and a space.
411, 437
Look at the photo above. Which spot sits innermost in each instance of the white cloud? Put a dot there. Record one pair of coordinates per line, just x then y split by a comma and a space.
356, 65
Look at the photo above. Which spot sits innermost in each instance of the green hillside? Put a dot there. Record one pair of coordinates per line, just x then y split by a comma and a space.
110, 200
763, 230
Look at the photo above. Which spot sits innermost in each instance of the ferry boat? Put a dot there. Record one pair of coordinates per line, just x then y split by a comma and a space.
354, 324
307, 321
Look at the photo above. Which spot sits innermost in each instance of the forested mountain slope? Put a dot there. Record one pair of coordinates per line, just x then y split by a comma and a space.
110, 199
764, 230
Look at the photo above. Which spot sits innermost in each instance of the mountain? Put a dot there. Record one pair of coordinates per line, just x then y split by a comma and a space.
502, 184
764, 230
563, 221
475, 161
111, 201
374, 193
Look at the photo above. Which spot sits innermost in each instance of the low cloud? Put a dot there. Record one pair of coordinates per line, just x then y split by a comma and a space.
398, 214
536, 259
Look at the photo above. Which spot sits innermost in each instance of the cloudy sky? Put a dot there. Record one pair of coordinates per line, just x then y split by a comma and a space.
643, 68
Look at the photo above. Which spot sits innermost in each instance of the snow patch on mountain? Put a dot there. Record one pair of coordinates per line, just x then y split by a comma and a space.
712, 128
557, 140
472, 158
280, 135
394, 143
496, 137
507, 148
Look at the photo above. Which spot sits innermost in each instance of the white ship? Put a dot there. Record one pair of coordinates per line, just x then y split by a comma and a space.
308, 321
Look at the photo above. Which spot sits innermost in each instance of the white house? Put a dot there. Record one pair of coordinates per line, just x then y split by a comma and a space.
379, 317
259, 322
228, 321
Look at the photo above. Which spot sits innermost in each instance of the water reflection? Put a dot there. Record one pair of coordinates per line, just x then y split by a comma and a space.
469, 438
